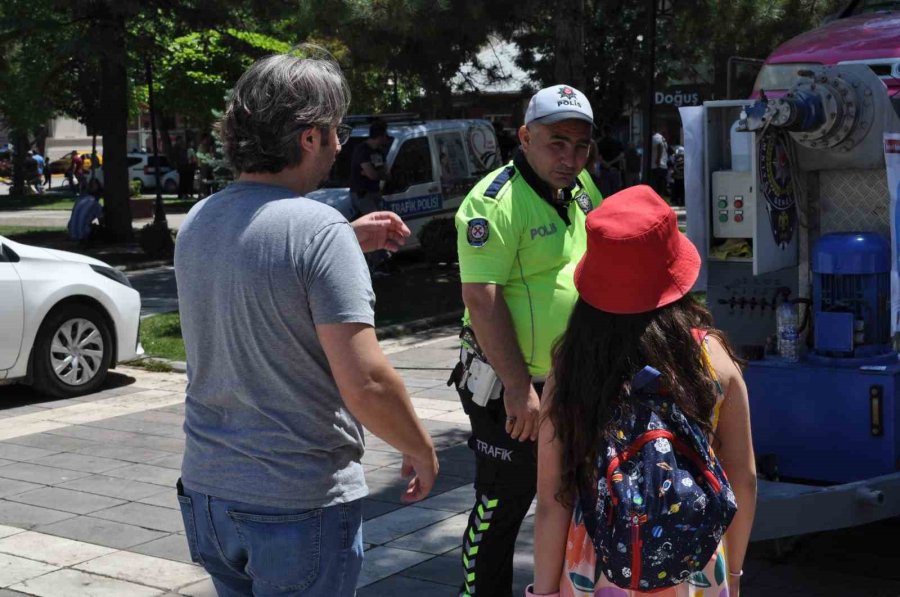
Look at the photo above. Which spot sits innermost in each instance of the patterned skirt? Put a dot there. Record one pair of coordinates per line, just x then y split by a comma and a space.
579, 580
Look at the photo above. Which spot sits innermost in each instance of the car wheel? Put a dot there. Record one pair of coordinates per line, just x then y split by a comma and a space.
72, 352
170, 187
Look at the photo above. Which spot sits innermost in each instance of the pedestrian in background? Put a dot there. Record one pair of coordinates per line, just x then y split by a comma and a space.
190, 170
48, 175
632, 166
34, 171
75, 173
659, 163
635, 310
284, 368
612, 162
180, 161
368, 168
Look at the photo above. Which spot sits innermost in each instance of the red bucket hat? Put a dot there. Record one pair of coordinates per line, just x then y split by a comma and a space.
637, 260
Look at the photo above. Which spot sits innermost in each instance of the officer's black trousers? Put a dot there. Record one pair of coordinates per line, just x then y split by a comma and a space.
505, 484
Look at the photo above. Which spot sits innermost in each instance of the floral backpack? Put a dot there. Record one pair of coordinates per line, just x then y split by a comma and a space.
662, 500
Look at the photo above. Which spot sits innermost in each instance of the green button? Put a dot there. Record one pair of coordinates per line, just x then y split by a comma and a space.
723, 204
723, 217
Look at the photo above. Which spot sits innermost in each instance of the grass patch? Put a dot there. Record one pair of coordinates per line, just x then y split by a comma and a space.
45, 201
31, 235
64, 202
161, 336
413, 292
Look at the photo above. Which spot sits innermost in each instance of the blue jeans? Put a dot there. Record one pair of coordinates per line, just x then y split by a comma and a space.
257, 550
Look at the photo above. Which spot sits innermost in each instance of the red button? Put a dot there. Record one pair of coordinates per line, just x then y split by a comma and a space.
738, 218
738, 203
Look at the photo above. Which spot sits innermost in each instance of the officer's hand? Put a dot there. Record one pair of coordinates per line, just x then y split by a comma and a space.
425, 470
522, 410
380, 230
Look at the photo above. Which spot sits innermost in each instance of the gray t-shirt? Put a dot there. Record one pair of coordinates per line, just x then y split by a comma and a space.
257, 269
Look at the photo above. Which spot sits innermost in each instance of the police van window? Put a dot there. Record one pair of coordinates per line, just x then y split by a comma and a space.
134, 161
452, 156
484, 154
412, 165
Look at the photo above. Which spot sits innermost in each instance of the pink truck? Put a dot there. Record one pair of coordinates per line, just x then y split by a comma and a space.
864, 32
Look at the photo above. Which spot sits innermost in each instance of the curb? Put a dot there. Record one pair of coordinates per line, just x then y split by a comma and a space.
417, 325
136, 267
177, 366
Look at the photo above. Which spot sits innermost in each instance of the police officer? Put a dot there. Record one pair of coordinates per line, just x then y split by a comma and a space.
520, 233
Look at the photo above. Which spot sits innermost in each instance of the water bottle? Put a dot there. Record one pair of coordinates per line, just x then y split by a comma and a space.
788, 323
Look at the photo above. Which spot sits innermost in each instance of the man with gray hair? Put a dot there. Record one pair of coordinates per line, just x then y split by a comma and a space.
284, 368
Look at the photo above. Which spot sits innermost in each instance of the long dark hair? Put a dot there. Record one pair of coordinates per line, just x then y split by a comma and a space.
594, 361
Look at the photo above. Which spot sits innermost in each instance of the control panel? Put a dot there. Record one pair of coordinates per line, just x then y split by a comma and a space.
733, 204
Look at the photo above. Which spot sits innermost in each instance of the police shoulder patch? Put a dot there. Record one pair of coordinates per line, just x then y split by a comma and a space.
584, 202
477, 232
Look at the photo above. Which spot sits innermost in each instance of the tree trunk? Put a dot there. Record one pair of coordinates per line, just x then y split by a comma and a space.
20, 141
114, 124
569, 68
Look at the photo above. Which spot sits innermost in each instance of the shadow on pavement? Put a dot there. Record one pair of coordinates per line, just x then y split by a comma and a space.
15, 395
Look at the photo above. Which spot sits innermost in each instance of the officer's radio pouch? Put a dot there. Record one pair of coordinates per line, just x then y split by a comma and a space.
473, 371
483, 382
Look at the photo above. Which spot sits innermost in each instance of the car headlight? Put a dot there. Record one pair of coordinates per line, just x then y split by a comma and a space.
112, 274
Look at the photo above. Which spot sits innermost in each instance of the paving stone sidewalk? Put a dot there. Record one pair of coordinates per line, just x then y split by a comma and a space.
87, 505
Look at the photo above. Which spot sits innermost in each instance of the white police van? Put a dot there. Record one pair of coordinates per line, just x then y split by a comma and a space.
433, 165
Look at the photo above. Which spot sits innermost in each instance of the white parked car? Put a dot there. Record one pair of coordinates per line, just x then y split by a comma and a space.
433, 165
65, 319
141, 169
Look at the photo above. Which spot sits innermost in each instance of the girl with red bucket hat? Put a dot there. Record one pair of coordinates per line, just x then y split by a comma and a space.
635, 313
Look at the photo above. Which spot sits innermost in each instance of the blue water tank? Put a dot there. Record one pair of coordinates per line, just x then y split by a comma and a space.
851, 296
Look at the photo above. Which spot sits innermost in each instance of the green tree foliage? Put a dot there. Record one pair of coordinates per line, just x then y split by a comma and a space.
708, 32
399, 50
613, 51
199, 69
86, 58
29, 83
694, 40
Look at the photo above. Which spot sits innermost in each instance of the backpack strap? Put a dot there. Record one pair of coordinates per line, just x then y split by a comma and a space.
646, 380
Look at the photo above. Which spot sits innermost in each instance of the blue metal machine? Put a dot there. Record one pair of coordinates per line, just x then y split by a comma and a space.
809, 223
852, 299
834, 417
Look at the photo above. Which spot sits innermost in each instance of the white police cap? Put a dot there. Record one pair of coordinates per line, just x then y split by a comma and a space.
558, 102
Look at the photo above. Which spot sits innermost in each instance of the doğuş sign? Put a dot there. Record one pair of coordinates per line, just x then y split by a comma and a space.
677, 98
